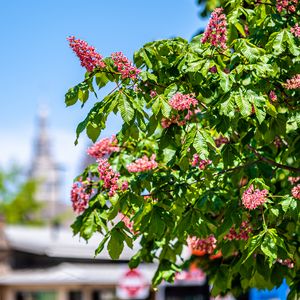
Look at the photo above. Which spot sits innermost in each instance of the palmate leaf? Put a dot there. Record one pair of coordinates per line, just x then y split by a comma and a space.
243, 104
200, 145
227, 108
282, 41
248, 50
125, 107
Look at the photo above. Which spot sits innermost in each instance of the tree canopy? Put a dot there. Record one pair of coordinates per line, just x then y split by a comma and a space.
209, 151
18, 204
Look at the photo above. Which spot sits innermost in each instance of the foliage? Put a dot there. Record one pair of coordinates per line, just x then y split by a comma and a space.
244, 131
17, 201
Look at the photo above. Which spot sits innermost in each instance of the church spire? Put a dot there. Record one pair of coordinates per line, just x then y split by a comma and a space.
42, 146
44, 169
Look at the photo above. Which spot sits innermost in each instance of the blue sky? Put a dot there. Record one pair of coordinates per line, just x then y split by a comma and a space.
37, 66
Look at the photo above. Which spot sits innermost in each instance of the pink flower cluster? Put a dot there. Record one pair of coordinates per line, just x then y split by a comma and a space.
124, 66
293, 180
178, 120
273, 96
129, 224
89, 58
293, 83
207, 245
201, 163
221, 140
166, 123
143, 164
296, 191
253, 198
109, 177
124, 186
296, 30
286, 262
242, 234
81, 193
216, 31
104, 147
286, 5
181, 102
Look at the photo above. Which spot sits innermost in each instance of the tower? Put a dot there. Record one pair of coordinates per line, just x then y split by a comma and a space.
45, 170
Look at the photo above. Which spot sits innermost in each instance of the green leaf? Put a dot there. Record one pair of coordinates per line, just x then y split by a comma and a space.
71, 96
252, 244
101, 79
278, 45
170, 90
243, 104
269, 248
249, 50
240, 28
225, 82
93, 132
289, 203
189, 141
116, 244
88, 225
200, 145
125, 107
80, 128
101, 245
165, 108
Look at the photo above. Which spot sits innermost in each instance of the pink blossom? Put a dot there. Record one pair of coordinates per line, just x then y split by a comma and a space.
273, 96
81, 193
296, 30
124, 186
166, 123
208, 244
124, 66
104, 147
253, 198
296, 191
293, 180
143, 164
293, 83
286, 262
201, 163
277, 142
288, 6
216, 31
109, 177
182, 102
89, 58
221, 140
129, 224
213, 69
242, 234
153, 94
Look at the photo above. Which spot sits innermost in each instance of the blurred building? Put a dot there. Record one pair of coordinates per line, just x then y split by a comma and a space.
50, 264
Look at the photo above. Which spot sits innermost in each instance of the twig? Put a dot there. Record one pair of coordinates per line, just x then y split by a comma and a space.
271, 162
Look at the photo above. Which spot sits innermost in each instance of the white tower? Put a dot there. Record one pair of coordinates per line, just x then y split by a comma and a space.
45, 171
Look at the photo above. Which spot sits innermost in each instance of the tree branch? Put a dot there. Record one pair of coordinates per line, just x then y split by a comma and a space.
272, 162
